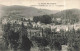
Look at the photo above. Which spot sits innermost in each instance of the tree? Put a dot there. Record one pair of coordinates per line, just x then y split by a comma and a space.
6, 32
46, 19
73, 40
48, 32
10, 36
25, 43
41, 42
55, 45
36, 19
16, 37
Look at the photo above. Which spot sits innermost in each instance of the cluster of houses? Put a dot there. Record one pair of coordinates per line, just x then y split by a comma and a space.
32, 24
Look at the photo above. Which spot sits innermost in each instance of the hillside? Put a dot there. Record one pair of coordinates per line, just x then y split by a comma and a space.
16, 11
70, 15
23, 11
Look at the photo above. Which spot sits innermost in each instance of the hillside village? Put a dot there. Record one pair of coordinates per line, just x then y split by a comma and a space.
39, 31
32, 24
36, 29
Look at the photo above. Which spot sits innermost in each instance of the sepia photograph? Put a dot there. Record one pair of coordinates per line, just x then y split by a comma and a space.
39, 25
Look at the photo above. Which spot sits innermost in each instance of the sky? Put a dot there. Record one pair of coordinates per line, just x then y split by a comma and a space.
44, 4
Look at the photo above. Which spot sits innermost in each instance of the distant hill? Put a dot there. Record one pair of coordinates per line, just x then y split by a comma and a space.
17, 11
70, 15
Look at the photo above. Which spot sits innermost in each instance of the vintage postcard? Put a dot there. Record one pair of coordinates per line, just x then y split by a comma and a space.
39, 25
